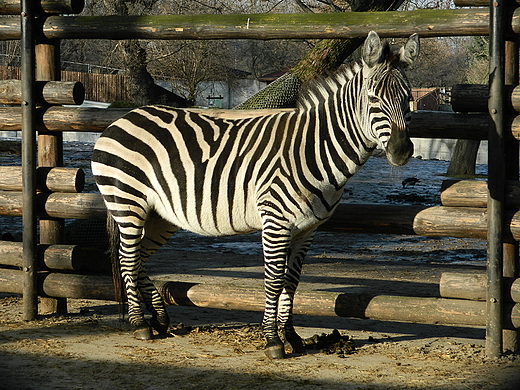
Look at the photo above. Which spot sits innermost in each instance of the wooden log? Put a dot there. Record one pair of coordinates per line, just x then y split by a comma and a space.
443, 221
515, 98
272, 26
375, 218
475, 3
11, 281
474, 98
439, 221
50, 154
469, 97
449, 125
47, 92
60, 179
322, 303
78, 206
424, 124
13, 7
474, 193
56, 205
319, 303
11, 146
428, 23
58, 257
11, 203
473, 286
515, 127
463, 286
60, 285
62, 118
57, 179
233, 297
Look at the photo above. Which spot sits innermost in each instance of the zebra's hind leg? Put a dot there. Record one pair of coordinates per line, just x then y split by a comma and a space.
134, 250
298, 249
156, 232
131, 267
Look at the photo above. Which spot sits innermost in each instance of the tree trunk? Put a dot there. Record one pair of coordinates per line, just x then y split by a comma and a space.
142, 87
464, 158
327, 55
141, 83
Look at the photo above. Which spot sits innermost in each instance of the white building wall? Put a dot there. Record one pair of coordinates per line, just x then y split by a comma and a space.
442, 149
232, 94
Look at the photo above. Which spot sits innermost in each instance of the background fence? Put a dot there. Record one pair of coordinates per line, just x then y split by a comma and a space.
106, 88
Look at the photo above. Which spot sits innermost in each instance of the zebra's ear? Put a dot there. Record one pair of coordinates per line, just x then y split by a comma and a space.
410, 51
372, 49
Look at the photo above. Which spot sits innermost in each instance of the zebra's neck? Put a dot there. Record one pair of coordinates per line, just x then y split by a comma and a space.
335, 108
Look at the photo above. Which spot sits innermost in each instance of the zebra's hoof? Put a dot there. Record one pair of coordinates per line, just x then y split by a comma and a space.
294, 345
143, 333
160, 325
275, 350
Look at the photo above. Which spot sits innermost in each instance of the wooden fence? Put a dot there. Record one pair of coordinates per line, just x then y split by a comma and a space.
494, 221
99, 87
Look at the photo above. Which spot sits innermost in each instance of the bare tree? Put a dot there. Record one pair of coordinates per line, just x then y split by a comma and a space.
443, 62
326, 55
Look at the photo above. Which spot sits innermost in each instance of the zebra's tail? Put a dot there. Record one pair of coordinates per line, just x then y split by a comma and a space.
114, 241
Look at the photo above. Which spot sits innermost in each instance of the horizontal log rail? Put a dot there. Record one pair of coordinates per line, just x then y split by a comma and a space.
62, 118
390, 219
58, 257
47, 92
317, 303
449, 125
474, 98
428, 23
438, 221
374, 218
55, 179
424, 124
13, 7
320, 303
463, 222
61, 285
473, 286
55, 205
474, 193
476, 3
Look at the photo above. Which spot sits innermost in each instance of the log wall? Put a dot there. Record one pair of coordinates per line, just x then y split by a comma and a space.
321, 303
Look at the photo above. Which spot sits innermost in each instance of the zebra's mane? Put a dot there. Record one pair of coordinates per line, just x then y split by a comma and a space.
323, 85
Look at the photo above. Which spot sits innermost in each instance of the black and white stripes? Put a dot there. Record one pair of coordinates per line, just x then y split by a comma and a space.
160, 169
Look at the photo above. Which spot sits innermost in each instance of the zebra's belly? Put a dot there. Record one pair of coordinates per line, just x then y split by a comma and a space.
210, 222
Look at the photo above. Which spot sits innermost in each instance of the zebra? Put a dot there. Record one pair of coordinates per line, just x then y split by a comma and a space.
160, 169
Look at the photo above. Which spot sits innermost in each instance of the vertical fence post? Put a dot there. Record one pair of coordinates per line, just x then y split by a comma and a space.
50, 154
30, 287
510, 255
496, 176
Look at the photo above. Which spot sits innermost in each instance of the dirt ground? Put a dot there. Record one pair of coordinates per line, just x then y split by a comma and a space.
91, 348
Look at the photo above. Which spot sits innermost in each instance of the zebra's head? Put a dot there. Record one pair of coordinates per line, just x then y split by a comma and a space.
386, 95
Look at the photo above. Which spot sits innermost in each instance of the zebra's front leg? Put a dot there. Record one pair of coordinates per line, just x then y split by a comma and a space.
274, 347
297, 252
275, 241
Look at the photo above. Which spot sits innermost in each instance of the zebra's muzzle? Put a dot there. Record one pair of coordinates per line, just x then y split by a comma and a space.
400, 148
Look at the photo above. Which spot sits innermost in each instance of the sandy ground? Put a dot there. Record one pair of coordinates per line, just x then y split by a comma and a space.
91, 348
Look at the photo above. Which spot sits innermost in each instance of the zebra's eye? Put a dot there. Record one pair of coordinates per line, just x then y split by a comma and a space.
373, 99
